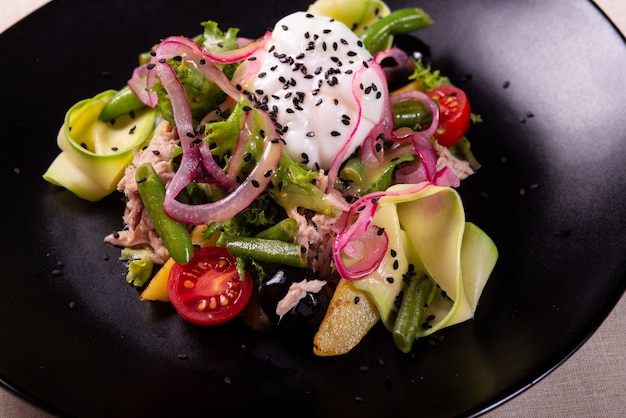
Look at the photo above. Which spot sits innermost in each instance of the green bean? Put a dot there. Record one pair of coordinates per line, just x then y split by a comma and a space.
411, 113
409, 317
353, 171
267, 250
174, 234
122, 103
284, 230
377, 36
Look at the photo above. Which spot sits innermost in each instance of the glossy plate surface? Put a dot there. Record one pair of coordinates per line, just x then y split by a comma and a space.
550, 193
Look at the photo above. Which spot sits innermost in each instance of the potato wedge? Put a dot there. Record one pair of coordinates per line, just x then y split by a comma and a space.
349, 317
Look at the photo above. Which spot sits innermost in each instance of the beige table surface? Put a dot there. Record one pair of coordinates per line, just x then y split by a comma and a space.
591, 383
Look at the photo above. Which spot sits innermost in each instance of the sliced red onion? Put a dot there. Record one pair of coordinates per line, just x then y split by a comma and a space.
401, 68
333, 170
208, 162
196, 153
426, 168
236, 201
359, 246
245, 135
143, 76
371, 154
138, 84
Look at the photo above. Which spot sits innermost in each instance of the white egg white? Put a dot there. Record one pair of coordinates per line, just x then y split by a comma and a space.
315, 80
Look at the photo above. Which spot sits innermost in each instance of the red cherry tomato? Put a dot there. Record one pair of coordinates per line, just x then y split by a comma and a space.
207, 290
454, 114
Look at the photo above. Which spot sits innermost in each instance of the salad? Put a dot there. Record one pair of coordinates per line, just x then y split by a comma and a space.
305, 178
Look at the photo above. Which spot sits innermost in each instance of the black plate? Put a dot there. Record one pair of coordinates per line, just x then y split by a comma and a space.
550, 193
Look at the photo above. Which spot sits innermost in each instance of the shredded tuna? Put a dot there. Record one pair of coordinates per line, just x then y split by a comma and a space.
459, 167
296, 292
139, 230
316, 235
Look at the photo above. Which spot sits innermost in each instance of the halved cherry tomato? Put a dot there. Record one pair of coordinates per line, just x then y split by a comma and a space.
454, 114
208, 290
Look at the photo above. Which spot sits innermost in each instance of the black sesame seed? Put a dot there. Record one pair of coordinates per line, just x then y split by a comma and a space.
390, 279
285, 27
141, 180
335, 133
356, 299
255, 183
